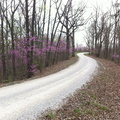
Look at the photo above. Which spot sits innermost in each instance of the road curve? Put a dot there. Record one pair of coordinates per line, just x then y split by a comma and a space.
26, 100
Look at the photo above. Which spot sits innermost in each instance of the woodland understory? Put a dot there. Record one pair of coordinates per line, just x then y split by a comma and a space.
36, 34
98, 100
34, 37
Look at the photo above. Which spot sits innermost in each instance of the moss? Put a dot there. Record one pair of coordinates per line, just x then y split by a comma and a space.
100, 106
51, 116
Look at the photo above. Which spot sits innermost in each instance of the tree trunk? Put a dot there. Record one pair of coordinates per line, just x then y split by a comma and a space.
48, 28
29, 72
67, 40
3, 46
33, 32
73, 43
13, 48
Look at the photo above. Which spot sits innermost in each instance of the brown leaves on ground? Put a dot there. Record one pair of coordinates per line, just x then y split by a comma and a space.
98, 100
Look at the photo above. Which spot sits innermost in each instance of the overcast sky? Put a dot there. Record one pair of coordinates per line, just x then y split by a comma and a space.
103, 4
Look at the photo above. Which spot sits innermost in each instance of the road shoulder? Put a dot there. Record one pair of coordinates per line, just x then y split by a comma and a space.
99, 99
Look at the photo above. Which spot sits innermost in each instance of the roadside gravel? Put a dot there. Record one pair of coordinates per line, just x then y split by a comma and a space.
98, 100
29, 99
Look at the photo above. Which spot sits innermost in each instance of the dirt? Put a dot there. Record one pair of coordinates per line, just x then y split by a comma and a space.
98, 100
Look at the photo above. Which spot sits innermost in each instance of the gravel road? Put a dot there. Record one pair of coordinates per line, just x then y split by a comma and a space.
26, 100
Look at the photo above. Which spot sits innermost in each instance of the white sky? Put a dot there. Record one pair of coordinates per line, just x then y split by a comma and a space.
91, 4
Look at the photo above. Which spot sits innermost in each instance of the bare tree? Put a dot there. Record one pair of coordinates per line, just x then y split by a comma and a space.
27, 37
13, 8
2, 39
73, 20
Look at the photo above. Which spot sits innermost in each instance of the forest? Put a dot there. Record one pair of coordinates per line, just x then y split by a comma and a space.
36, 34
103, 33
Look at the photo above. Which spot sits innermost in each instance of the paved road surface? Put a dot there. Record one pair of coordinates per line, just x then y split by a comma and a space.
26, 100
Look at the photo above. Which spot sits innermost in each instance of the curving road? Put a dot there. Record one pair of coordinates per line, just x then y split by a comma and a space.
26, 100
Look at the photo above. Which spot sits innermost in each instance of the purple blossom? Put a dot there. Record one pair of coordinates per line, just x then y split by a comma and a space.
116, 56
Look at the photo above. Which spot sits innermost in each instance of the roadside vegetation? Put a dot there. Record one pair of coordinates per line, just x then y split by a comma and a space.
103, 34
47, 70
98, 100
33, 37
